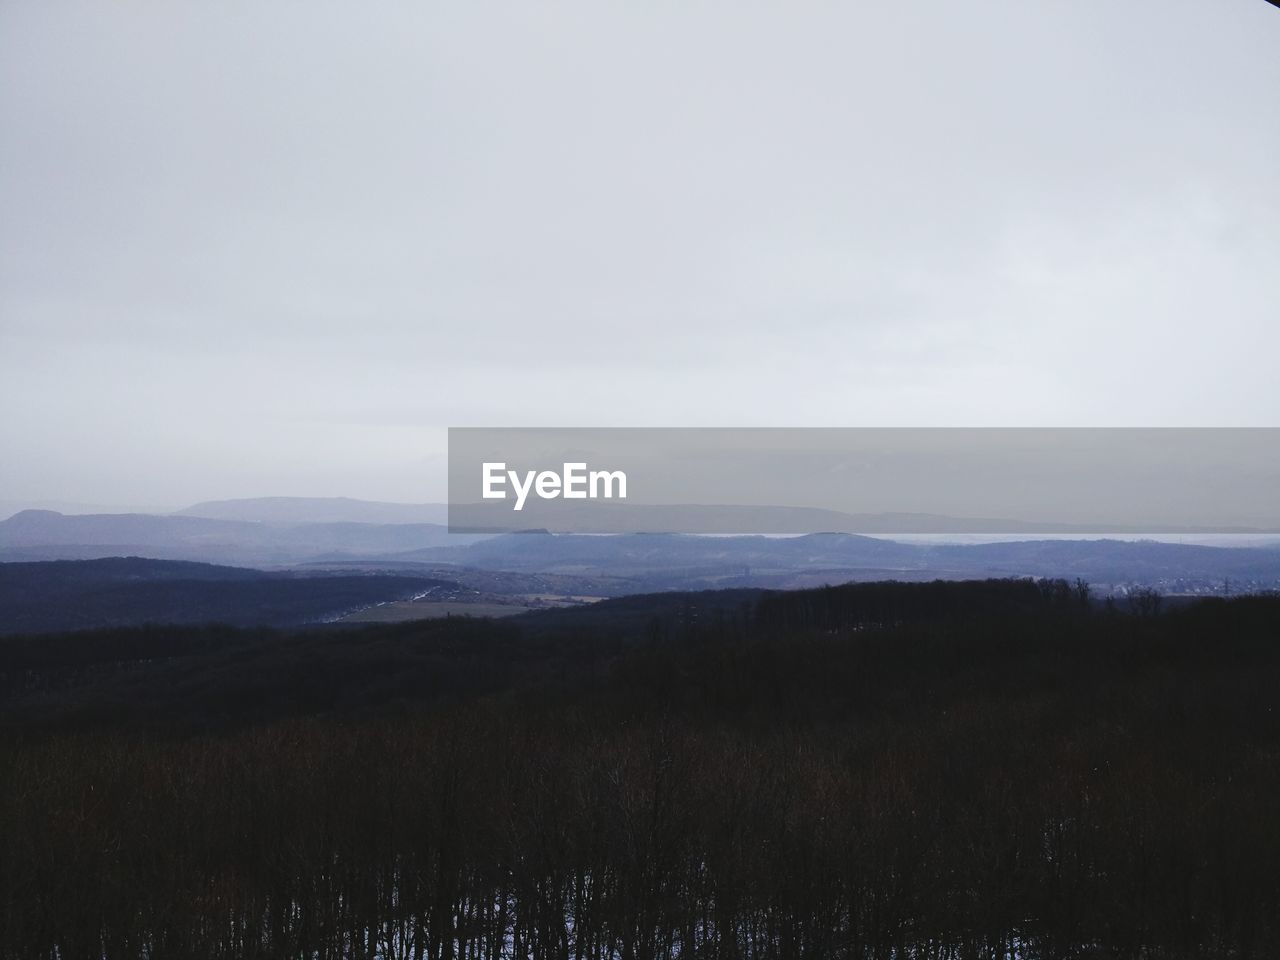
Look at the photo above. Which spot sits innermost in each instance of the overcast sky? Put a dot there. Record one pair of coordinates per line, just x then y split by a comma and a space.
264, 249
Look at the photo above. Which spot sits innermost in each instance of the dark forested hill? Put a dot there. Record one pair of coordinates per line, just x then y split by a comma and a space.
72, 594
984, 769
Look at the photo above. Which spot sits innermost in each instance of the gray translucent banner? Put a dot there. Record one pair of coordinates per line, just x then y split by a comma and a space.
856, 480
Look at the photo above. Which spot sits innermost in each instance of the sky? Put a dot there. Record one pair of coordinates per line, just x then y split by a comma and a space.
277, 249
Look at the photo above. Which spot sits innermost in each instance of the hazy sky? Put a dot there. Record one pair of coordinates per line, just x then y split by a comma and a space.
260, 249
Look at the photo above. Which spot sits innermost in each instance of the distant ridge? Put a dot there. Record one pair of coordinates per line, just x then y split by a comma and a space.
48, 535
317, 510
838, 557
649, 561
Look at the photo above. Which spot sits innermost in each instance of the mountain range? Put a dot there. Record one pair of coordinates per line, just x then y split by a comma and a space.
300, 532
49, 535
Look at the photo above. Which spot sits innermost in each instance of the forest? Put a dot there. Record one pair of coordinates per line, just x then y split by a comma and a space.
952, 771
60, 595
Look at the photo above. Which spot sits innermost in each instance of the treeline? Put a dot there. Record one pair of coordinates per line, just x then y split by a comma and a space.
65, 595
880, 604
821, 775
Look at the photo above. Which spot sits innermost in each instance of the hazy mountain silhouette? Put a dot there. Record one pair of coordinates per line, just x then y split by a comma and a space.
613, 516
650, 561
845, 556
48, 535
318, 510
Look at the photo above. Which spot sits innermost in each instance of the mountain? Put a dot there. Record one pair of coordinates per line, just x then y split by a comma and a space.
647, 562
616, 516
9, 507
644, 552
121, 591
48, 535
318, 510
836, 557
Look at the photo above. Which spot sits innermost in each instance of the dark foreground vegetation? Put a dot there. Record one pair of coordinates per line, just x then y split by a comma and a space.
941, 770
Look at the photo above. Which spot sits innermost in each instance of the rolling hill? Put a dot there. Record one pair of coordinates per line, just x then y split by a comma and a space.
73, 594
